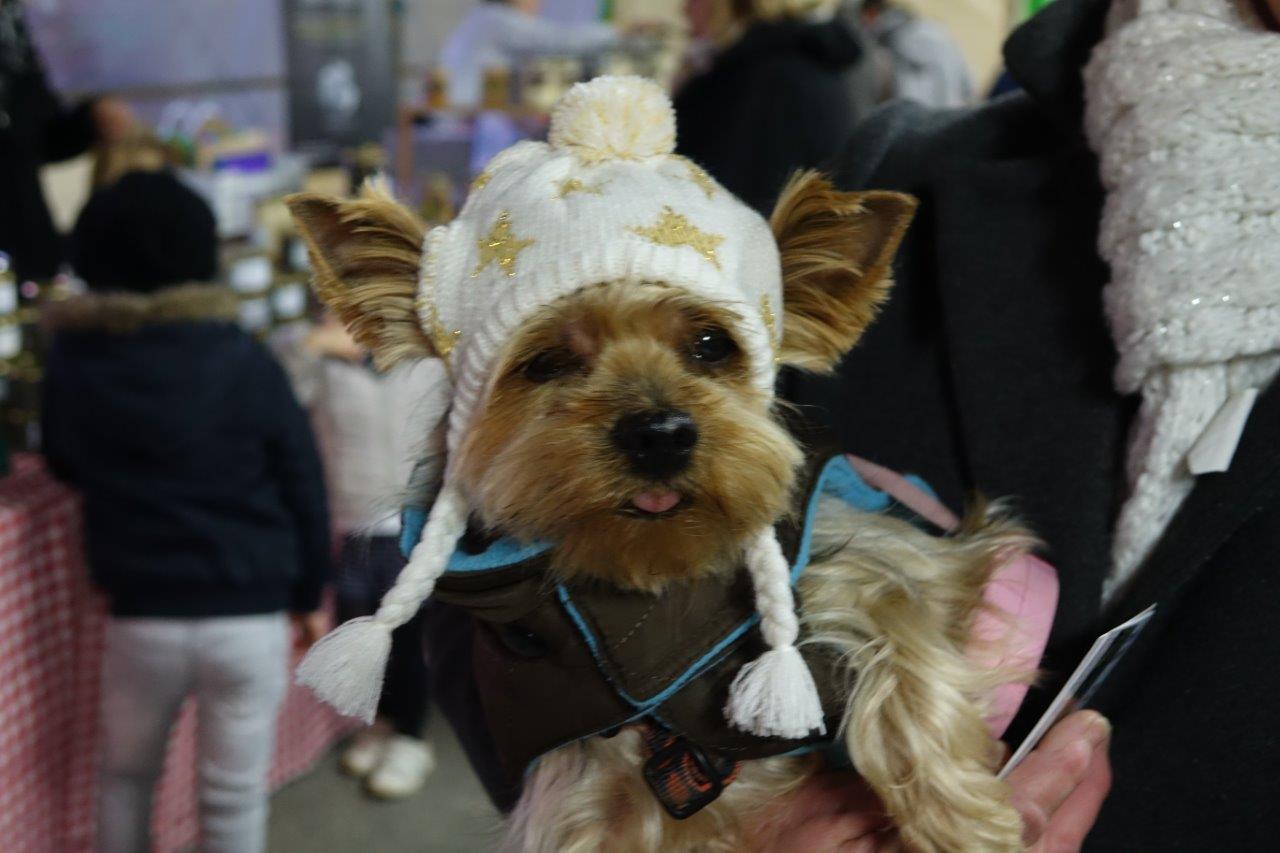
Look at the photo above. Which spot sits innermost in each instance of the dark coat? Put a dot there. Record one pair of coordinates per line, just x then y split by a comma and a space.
990, 370
780, 99
35, 128
203, 493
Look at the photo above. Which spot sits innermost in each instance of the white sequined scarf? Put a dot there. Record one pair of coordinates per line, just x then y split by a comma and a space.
1183, 110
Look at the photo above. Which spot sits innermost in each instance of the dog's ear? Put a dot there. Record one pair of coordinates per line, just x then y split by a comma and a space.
836, 252
365, 254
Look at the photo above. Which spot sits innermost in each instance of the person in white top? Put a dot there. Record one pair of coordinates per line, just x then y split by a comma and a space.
496, 33
926, 65
371, 435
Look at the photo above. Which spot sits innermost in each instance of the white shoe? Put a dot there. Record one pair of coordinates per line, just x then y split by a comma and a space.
365, 752
406, 764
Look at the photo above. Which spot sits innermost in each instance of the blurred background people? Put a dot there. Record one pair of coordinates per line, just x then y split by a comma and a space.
204, 506
776, 96
37, 128
923, 62
367, 423
498, 33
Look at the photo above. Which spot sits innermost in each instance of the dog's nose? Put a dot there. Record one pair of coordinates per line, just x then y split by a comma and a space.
658, 443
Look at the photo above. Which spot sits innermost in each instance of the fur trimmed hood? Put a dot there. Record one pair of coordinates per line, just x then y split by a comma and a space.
125, 313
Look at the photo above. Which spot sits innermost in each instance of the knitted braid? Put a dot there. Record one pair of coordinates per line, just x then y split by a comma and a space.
427, 561
346, 668
774, 695
771, 580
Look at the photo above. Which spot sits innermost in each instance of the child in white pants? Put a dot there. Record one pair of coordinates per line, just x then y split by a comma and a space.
204, 506
236, 667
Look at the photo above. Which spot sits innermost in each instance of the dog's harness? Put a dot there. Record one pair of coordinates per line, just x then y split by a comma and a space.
559, 662
556, 662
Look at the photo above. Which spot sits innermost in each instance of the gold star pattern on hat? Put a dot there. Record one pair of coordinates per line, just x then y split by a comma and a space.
442, 339
700, 177
673, 229
574, 185
771, 325
500, 246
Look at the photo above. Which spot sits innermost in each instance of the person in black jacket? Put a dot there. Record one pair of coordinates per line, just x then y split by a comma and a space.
204, 505
991, 369
777, 97
36, 128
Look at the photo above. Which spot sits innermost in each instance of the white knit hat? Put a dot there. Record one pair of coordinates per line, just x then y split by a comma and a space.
604, 200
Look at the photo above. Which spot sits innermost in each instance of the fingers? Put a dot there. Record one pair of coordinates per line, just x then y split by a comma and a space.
871, 842
1082, 725
847, 833
832, 811
830, 793
850, 793
1071, 823
1055, 769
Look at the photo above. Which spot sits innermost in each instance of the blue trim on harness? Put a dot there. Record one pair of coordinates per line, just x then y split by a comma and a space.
503, 552
412, 520
838, 480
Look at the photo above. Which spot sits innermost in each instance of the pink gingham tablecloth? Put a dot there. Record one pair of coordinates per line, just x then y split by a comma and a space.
51, 630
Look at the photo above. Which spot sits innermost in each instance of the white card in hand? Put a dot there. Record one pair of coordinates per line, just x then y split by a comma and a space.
1102, 657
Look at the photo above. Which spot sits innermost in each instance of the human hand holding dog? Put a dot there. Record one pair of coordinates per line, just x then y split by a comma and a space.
309, 628
1058, 790
1061, 785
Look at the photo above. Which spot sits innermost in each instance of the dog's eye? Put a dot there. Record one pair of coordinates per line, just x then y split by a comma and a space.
712, 346
548, 365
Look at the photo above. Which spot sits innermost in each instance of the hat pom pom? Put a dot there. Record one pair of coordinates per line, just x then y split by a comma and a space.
774, 696
608, 118
345, 669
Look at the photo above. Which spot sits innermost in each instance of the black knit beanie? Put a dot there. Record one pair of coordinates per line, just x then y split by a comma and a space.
144, 232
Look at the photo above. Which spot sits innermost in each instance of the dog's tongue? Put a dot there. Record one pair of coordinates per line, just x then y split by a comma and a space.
655, 502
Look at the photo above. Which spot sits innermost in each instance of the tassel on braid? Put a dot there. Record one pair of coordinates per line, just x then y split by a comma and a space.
774, 695
346, 668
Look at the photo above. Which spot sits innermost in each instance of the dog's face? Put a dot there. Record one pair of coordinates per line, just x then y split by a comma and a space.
623, 424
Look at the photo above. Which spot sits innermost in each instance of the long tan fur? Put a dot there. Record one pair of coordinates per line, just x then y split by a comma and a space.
896, 606
590, 797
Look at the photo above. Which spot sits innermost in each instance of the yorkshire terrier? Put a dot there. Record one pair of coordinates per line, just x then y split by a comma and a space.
622, 424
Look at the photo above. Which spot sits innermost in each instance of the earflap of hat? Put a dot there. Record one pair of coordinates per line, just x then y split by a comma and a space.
775, 694
346, 668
